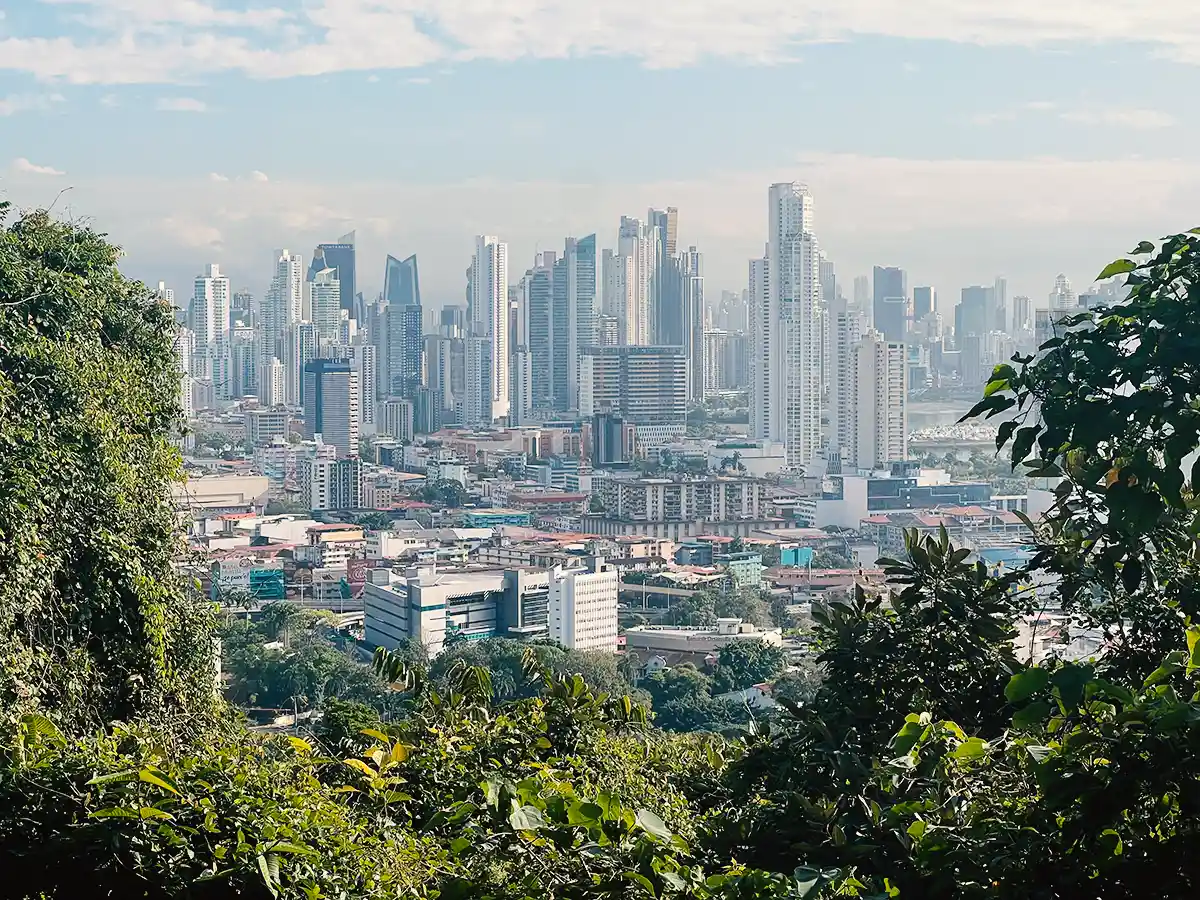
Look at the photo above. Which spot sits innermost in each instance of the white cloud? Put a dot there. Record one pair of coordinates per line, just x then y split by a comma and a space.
217, 176
949, 222
1140, 119
17, 103
110, 101
22, 166
181, 104
156, 41
418, 80
259, 176
372, 79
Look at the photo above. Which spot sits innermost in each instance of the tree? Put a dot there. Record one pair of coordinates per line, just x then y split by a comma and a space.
683, 683
747, 604
742, 664
799, 684
445, 492
95, 623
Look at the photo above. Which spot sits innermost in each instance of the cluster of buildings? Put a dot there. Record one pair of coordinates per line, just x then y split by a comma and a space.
556, 401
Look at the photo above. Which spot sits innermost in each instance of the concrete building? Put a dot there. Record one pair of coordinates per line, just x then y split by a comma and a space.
582, 610
335, 484
637, 253
890, 310
877, 418
402, 310
265, 425
695, 644
678, 507
645, 386
488, 377
785, 301
395, 418
211, 297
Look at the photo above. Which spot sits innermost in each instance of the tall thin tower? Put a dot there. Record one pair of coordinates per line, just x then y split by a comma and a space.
785, 293
489, 321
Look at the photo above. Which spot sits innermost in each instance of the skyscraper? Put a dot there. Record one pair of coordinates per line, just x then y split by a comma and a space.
1000, 304
668, 289
785, 295
536, 292
691, 272
647, 386
331, 404
891, 302
847, 325
1063, 300
489, 361
878, 417
402, 305
637, 243
573, 319
283, 305
974, 313
209, 318
339, 256
326, 305
923, 302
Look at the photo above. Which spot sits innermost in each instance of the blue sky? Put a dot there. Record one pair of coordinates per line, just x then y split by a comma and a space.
939, 135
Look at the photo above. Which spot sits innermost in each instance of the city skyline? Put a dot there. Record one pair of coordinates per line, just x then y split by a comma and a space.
954, 144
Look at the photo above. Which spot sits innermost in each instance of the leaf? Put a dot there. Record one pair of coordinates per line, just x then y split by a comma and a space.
1037, 753
114, 812
268, 867
1023, 443
970, 749
149, 812
115, 777
526, 818
1117, 267
651, 823
1032, 715
289, 847
1193, 645
641, 880
673, 880
1004, 432
917, 828
300, 745
1111, 842
1069, 682
359, 766
1142, 248
158, 779
377, 735
1025, 684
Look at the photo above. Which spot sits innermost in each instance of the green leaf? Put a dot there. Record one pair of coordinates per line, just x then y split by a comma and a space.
526, 818
149, 812
1037, 753
641, 880
114, 812
673, 880
1142, 249
158, 779
1023, 443
289, 847
1033, 715
1118, 267
916, 829
115, 777
1025, 684
1111, 842
972, 748
651, 823
1193, 645
268, 867
1070, 682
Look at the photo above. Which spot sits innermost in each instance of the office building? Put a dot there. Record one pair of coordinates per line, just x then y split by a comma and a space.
340, 257
488, 352
974, 313
785, 299
847, 325
1063, 300
572, 322
608, 333
669, 316
300, 346
402, 310
366, 366
614, 441
1022, 316
924, 302
445, 367
331, 404
890, 308
999, 321
243, 357
535, 293
877, 419
647, 386
325, 292
582, 607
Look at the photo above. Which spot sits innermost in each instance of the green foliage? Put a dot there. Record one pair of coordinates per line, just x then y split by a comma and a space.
445, 493
94, 622
742, 664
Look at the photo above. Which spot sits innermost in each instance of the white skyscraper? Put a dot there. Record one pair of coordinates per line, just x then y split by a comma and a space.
878, 416
327, 305
284, 303
271, 383
846, 326
785, 295
210, 317
638, 243
488, 278
1063, 300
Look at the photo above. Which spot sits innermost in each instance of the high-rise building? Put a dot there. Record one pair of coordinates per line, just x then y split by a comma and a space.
862, 293
488, 313
999, 305
878, 416
241, 309
847, 325
243, 357
668, 313
536, 293
690, 267
366, 366
211, 297
339, 256
402, 304
271, 383
331, 404
1022, 316
582, 609
974, 312
326, 309
396, 418
647, 386
445, 367
335, 484
785, 299
924, 302
284, 304
572, 318
608, 332
891, 302
300, 345
1063, 300
637, 243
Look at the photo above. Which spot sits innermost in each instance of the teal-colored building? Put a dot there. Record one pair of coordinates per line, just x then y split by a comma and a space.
491, 518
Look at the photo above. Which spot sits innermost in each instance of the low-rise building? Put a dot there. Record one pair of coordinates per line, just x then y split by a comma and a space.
694, 644
678, 506
331, 546
583, 607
